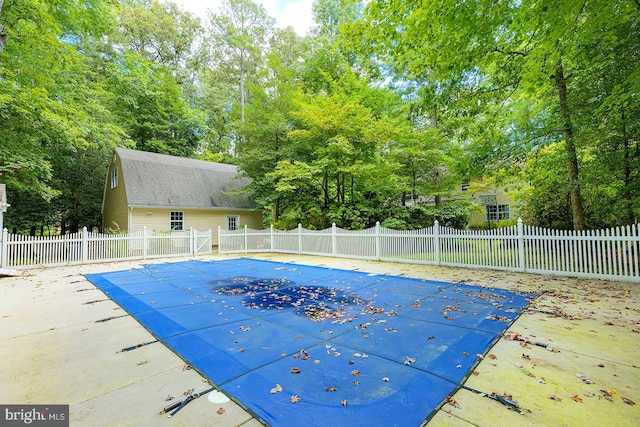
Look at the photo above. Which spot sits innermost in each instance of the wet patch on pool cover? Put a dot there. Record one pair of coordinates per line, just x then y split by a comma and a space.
301, 345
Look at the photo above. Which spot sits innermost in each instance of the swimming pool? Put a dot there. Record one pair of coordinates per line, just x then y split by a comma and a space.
305, 345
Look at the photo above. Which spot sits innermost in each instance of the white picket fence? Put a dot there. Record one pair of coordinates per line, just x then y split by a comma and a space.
605, 254
18, 251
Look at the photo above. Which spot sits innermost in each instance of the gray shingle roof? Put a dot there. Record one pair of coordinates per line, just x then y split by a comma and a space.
153, 179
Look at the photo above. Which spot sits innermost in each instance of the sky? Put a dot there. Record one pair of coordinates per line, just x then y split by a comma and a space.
294, 13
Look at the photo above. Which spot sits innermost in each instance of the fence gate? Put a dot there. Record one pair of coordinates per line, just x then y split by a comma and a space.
202, 243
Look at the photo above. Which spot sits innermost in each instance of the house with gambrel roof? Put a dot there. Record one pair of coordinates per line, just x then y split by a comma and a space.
162, 192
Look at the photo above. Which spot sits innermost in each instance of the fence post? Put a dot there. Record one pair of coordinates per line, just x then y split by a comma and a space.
521, 245
144, 241
299, 239
378, 240
334, 237
3, 249
271, 238
246, 239
85, 245
436, 241
192, 241
220, 240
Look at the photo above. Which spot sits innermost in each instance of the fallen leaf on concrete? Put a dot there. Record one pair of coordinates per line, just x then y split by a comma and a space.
221, 411
556, 398
577, 398
628, 401
452, 401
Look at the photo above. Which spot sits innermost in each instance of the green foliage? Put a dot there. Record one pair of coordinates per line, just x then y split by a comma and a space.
505, 79
375, 117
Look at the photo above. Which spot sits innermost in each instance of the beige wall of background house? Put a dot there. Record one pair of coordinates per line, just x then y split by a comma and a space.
477, 188
159, 219
115, 213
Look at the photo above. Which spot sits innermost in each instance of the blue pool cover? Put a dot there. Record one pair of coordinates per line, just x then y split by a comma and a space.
301, 345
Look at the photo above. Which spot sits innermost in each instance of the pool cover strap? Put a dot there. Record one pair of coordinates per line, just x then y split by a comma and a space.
508, 402
177, 406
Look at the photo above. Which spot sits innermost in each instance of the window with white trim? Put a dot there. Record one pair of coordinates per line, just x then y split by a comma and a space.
177, 220
114, 177
498, 212
233, 222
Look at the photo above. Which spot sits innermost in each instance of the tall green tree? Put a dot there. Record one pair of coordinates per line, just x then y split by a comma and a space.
268, 117
238, 36
50, 103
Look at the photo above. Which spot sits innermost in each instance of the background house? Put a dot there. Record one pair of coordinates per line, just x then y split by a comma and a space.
165, 192
494, 201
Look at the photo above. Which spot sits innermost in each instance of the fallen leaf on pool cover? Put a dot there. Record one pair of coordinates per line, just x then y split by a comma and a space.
295, 370
430, 337
385, 379
276, 389
577, 398
355, 372
294, 398
331, 388
409, 360
221, 411
628, 401
344, 402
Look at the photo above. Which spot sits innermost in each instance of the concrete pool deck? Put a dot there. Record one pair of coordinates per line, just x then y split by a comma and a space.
580, 367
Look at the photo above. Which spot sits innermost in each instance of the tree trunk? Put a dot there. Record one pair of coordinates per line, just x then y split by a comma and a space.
572, 157
325, 188
4, 35
626, 193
